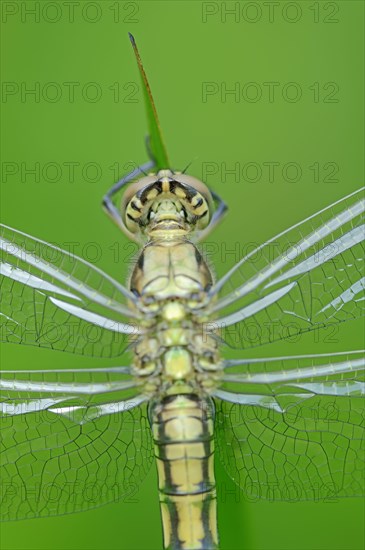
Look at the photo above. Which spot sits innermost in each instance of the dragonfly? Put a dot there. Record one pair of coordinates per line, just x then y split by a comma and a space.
284, 428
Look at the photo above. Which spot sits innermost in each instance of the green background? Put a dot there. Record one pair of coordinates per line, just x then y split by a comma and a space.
182, 49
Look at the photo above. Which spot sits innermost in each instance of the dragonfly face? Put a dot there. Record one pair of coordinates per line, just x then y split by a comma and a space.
166, 205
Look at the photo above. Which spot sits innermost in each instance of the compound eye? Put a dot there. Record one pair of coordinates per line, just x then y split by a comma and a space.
131, 207
198, 185
135, 188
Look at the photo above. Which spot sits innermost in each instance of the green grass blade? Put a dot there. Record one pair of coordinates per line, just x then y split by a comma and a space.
156, 142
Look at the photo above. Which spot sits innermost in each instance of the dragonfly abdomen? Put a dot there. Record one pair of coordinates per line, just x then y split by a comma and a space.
182, 427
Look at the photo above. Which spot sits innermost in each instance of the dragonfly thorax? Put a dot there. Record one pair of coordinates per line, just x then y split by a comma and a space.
169, 269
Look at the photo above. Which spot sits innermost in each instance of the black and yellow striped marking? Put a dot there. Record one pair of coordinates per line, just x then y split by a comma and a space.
193, 201
182, 427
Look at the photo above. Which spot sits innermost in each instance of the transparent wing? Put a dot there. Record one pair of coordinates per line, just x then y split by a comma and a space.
53, 299
71, 440
292, 428
308, 277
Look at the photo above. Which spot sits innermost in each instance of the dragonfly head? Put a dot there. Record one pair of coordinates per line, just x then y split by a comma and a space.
167, 201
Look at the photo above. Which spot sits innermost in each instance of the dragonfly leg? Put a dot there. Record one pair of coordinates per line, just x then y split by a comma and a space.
216, 218
107, 202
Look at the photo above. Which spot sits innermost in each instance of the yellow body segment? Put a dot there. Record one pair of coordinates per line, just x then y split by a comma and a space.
183, 434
